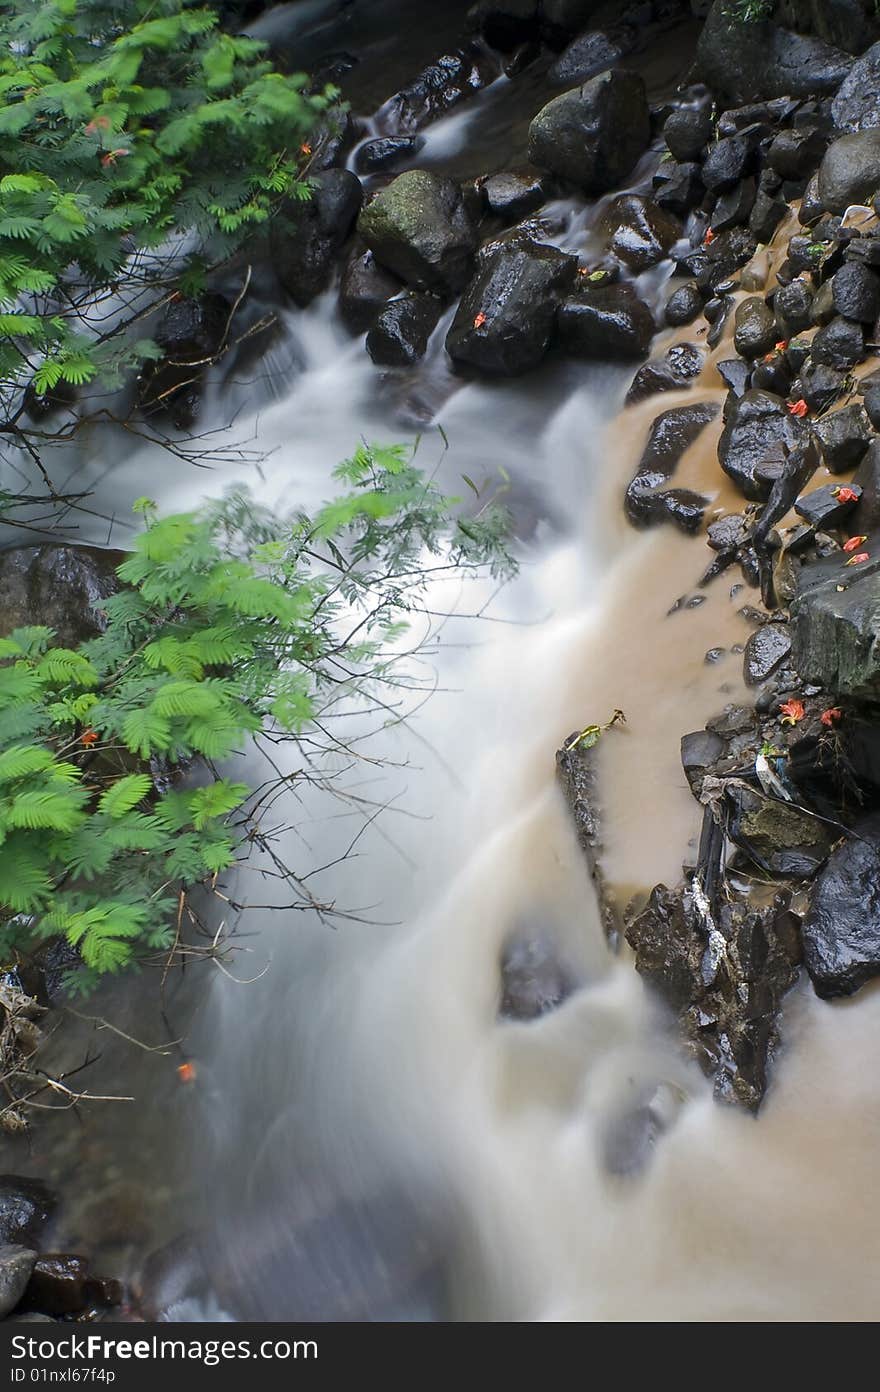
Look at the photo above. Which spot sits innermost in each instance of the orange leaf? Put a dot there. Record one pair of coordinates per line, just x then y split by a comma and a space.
859, 559
792, 712
709, 237
828, 717
88, 737
479, 320
798, 408
854, 543
186, 1072
845, 495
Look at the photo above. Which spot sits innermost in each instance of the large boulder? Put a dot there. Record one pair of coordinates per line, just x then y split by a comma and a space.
841, 932
607, 321
306, 238
506, 317
847, 24
593, 135
639, 232
850, 171
672, 433
757, 425
835, 624
856, 106
59, 586
418, 228
749, 61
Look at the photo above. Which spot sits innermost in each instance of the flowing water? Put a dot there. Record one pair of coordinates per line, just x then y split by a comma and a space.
366, 1138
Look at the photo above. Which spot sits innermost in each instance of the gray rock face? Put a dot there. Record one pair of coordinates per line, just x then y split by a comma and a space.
672, 433
400, 334
305, 238
757, 425
506, 317
856, 291
748, 62
795, 153
16, 1265
607, 322
777, 836
850, 171
766, 649
841, 932
639, 232
591, 53
593, 135
728, 160
792, 305
419, 229
60, 586
857, 104
835, 623
839, 345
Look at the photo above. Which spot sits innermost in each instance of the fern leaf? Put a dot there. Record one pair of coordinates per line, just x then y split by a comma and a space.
125, 794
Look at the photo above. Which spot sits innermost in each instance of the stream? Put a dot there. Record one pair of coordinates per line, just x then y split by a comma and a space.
366, 1137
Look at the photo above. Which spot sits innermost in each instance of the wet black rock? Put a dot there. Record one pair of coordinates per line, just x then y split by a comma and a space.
577, 774
306, 238
505, 23
792, 305
840, 344
58, 1284
734, 208
872, 406
867, 479
856, 290
630, 1135
725, 980
606, 322
593, 135
766, 649
418, 228
780, 838
822, 507
639, 232
682, 363
59, 586
744, 62
592, 53
191, 332
26, 1205
533, 979
834, 624
678, 187
16, 1265
841, 932
795, 153
754, 328
364, 289
818, 385
843, 436
672, 433
441, 86
505, 321
773, 374
850, 171
683, 305
735, 374
757, 425
515, 193
386, 152
727, 533
400, 334
687, 132
855, 108
728, 161
728, 253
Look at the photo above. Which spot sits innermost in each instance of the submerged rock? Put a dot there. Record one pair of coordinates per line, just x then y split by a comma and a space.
841, 931
419, 229
593, 135
606, 322
506, 317
533, 979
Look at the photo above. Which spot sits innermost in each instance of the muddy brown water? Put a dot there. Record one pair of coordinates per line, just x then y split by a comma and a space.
363, 1137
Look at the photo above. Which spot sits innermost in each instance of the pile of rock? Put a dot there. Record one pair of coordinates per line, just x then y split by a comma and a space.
47, 1286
